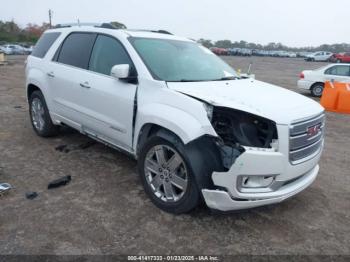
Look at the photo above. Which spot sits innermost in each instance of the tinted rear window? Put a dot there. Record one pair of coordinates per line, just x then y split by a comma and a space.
76, 49
44, 44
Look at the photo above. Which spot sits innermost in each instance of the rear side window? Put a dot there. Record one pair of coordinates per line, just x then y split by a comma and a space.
76, 49
107, 53
44, 44
340, 70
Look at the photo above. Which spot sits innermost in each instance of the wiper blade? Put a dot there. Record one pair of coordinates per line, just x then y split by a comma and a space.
226, 78
187, 80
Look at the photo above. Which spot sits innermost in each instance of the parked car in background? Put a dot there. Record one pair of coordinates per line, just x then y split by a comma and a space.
11, 49
7, 49
303, 54
240, 51
219, 51
314, 80
320, 56
27, 50
340, 58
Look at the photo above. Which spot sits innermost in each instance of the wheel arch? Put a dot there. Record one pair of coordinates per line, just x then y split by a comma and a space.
30, 89
159, 116
316, 83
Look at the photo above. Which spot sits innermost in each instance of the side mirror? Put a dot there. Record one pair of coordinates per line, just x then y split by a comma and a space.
120, 71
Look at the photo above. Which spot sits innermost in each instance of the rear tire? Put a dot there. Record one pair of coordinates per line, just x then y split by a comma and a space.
159, 177
40, 116
317, 89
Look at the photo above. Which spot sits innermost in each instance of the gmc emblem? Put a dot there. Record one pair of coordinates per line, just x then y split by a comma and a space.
313, 130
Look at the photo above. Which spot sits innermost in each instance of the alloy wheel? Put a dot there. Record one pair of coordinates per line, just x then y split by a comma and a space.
37, 112
166, 173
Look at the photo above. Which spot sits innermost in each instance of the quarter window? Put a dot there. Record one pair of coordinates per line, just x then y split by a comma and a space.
338, 71
76, 49
44, 44
107, 52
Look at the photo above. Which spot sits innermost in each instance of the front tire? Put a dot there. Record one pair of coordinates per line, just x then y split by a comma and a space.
317, 89
167, 177
40, 116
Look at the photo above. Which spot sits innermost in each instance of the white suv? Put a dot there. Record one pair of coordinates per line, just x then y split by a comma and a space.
197, 130
319, 57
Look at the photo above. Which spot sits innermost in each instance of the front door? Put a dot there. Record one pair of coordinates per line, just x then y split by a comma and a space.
108, 102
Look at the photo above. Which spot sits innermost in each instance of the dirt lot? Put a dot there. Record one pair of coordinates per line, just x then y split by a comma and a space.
105, 211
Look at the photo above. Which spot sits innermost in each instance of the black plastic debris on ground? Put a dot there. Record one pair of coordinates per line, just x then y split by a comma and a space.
17, 107
68, 148
59, 182
31, 195
62, 148
87, 144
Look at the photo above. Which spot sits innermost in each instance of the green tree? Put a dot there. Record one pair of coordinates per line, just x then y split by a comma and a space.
205, 42
223, 44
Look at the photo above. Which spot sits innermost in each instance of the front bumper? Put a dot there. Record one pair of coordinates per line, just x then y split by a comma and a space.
289, 178
221, 200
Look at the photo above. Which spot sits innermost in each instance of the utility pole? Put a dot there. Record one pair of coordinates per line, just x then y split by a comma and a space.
50, 18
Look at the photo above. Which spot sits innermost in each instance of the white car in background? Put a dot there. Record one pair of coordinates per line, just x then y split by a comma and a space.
13, 49
319, 57
314, 80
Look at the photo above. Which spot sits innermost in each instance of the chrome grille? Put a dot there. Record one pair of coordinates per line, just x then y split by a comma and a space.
306, 138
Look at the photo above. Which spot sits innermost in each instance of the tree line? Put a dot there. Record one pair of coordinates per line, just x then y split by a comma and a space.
11, 32
334, 48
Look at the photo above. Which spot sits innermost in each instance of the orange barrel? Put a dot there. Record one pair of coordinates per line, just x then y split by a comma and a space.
344, 99
336, 97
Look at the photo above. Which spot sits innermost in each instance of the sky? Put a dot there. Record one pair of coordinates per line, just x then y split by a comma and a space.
296, 23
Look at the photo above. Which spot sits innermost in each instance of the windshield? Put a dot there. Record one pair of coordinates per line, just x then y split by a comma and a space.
181, 61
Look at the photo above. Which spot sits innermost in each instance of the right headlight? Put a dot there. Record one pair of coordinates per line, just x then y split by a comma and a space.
246, 129
209, 109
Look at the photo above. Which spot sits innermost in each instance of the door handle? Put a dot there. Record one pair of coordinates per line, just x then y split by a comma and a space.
50, 74
85, 85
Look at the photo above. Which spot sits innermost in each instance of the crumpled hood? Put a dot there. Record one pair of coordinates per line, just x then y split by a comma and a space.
256, 97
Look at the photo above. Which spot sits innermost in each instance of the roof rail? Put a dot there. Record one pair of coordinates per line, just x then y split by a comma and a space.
161, 31
110, 26
76, 24
101, 25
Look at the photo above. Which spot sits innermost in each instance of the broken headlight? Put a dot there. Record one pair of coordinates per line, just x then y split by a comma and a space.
209, 109
237, 127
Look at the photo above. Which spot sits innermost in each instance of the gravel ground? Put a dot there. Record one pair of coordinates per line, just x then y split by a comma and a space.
104, 209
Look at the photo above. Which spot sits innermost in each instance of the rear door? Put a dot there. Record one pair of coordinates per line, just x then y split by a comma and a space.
338, 73
66, 73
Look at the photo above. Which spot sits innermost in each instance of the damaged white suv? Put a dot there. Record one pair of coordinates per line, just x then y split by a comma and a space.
197, 129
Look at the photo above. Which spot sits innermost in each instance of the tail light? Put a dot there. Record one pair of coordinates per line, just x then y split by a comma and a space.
302, 76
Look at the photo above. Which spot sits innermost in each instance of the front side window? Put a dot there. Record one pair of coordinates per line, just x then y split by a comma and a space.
76, 49
181, 61
340, 70
107, 52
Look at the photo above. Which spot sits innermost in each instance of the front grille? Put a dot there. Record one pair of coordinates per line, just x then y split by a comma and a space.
306, 138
